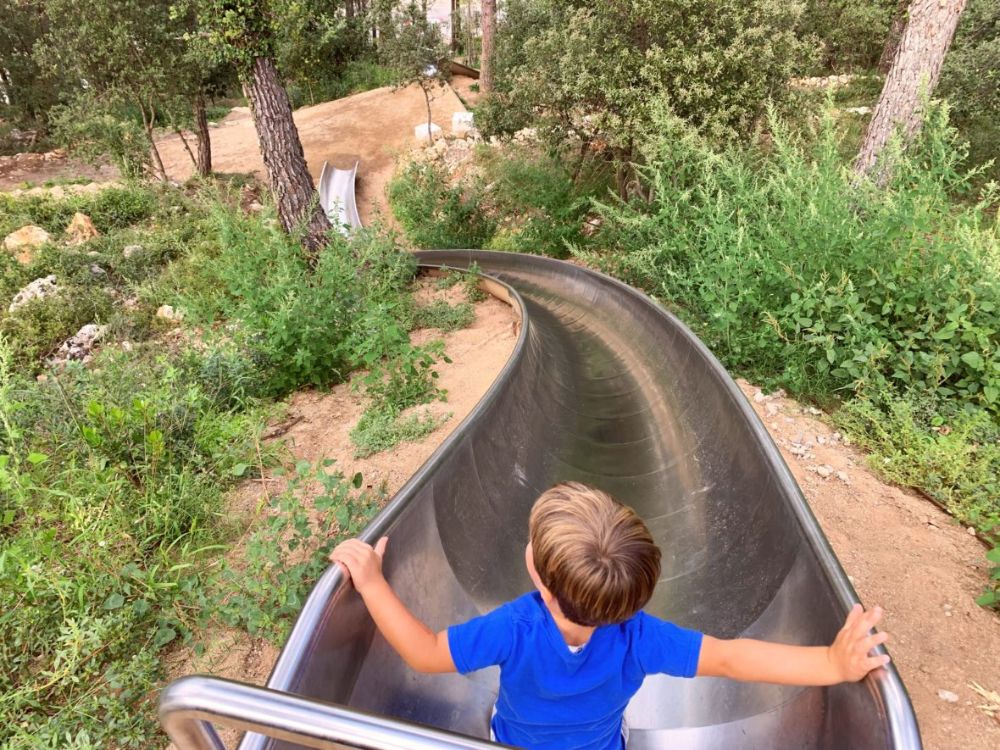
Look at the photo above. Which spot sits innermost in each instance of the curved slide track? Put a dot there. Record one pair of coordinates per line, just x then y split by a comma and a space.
607, 387
336, 196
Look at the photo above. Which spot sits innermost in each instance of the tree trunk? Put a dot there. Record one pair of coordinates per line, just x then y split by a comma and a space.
298, 207
430, 120
204, 139
915, 71
148, 121
896, 27
456, 25
486, 56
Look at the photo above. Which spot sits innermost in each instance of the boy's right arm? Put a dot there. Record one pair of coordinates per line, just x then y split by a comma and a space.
421, 648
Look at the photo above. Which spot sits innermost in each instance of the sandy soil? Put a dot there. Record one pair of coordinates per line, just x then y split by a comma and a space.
36, 169
372, 127
904, 554
318, 426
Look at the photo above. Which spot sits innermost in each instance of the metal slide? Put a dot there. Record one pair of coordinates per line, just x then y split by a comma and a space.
336, 196
606, 387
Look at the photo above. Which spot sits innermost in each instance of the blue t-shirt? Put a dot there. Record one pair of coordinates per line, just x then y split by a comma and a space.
553, 699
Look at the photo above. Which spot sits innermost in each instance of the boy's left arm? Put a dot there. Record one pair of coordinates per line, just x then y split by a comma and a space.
847, 659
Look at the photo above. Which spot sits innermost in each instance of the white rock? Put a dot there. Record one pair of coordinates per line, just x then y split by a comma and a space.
37, 289
824, 471
462, 121
129, 250
759, 397
166, 312
842, 476
80, 346
971, 531
421, 134
947, 695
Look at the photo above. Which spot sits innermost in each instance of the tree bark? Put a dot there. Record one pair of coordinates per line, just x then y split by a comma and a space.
298, 207
914, 73
204, 138
486, 59
896, 27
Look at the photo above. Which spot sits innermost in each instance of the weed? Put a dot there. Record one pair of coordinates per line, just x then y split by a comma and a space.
468, 278
442, 316
288, 552
381, 429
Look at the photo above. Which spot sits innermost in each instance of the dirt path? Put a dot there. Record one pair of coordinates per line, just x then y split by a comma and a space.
903, 553
372, 127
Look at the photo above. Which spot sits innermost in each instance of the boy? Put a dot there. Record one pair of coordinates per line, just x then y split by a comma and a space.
574, 651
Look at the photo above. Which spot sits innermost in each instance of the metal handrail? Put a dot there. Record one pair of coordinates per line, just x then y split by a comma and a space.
191, 705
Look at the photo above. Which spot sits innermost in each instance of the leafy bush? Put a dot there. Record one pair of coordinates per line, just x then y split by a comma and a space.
971, 81
435, 214
518, 198
541, 202
791, 271
850, 33
303, 324
288, 552
381, 429
590, 71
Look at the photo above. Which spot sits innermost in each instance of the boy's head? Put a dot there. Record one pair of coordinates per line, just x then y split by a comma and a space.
593, 554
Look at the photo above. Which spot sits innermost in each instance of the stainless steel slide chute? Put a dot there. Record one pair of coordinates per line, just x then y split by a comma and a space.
336, 196
607, 387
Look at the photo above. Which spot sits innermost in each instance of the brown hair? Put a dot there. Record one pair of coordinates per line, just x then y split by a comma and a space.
594, 554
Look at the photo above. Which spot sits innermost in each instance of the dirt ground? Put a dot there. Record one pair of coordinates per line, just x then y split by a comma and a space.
914, 560
372, 127
319, 424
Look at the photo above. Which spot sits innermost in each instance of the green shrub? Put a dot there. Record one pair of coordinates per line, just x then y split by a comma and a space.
795, 273
38, 328
284, 557
952, 454
112, 208
111, 481
970, 81
381, 429
850, 33
435, 214
541, 202
790, 271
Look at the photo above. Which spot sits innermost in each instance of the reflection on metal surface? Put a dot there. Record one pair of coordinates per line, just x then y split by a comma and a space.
606, 387
336, 196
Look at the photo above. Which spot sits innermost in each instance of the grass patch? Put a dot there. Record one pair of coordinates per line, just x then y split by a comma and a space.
442, 316
380, 430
